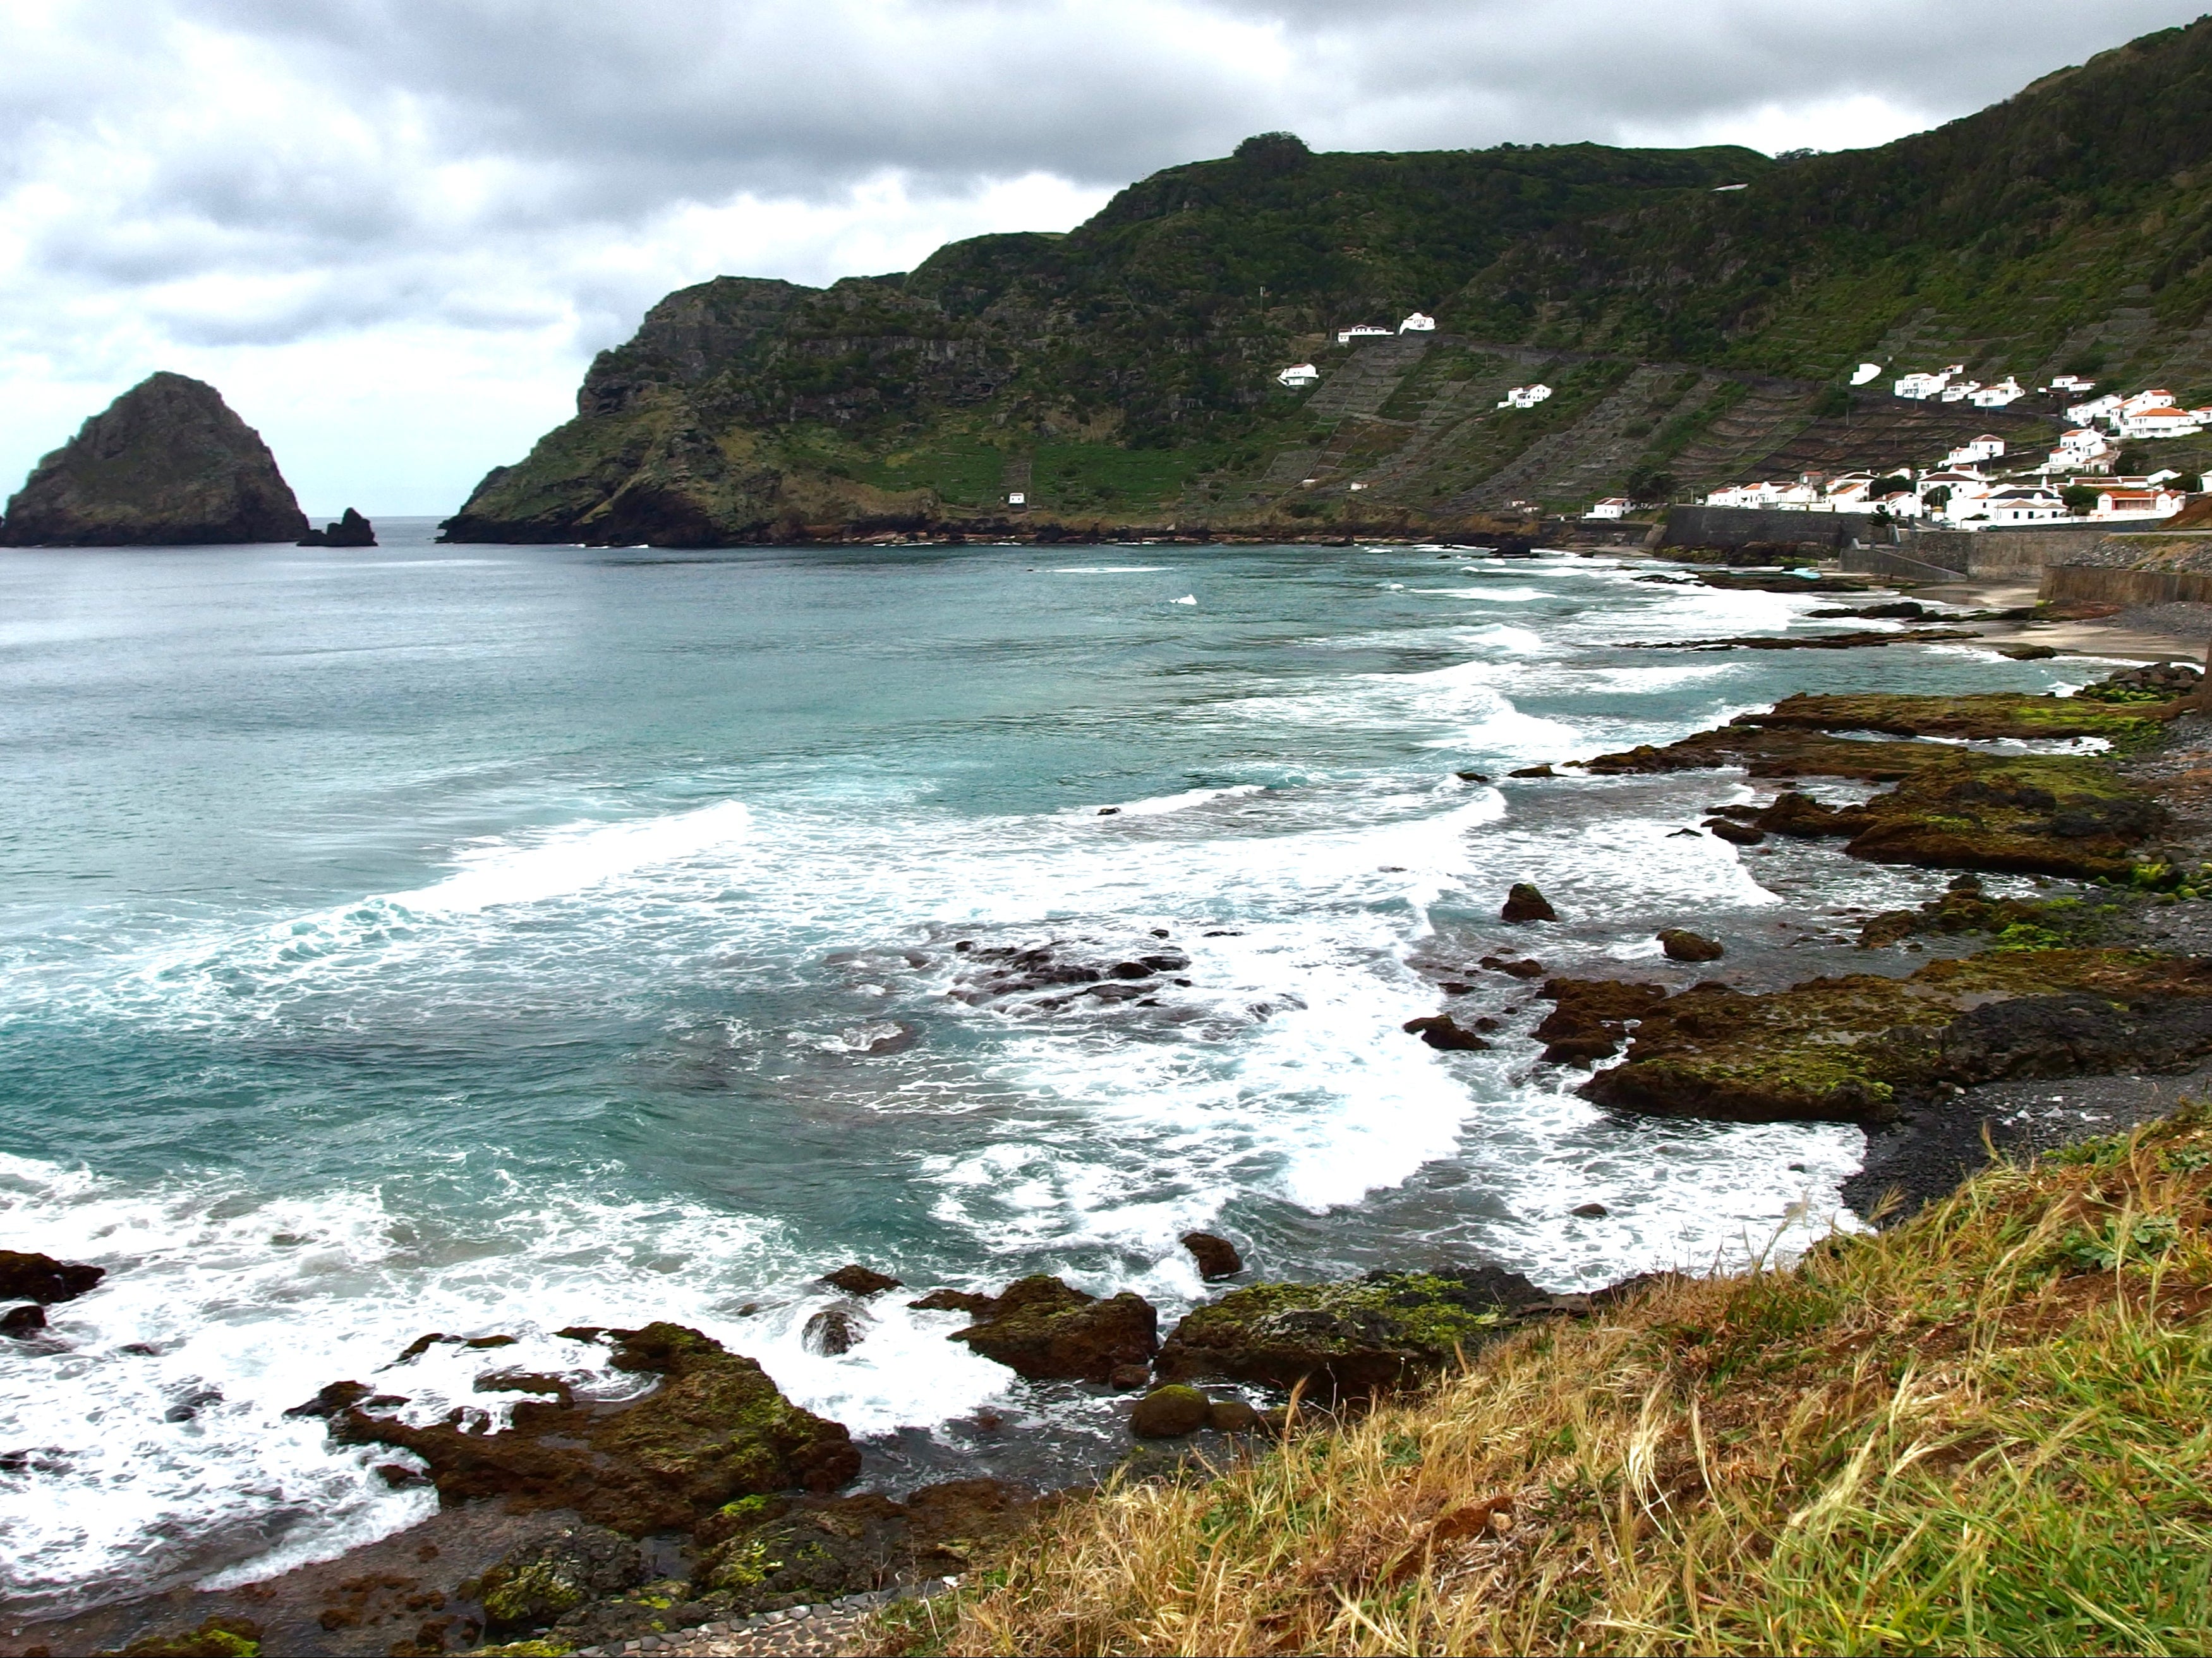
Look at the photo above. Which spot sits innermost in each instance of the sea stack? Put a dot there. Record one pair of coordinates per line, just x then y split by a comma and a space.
166, 465
351, 530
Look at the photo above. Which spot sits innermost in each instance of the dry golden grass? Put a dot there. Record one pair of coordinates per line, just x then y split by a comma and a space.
1985, 1431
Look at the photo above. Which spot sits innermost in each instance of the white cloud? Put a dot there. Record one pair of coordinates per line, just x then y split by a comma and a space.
393, 231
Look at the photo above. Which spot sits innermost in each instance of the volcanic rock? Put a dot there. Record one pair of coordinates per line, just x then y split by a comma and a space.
1166, 1413
351, 530
1347, 1339
1683, 945
1046, 1331
1441, 1031
539, 1582
855, 1279
1217, 1256
834, 1330
715, 1430
25, 1276
1525, 903
166, 465
1232, 1416
23, 1320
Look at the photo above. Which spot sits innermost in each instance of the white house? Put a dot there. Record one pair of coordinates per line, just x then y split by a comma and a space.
2073, 383
1418, 324
1960, 391
1988, 446
1018, 498
1900, 503
2156, 396
2158, 419
1611, 506
1299, 374
2005, 391
1745, 494
1526, 397
2010, 506
2116, 502
1865, 372
1365, 330
2105, 408
1920, 385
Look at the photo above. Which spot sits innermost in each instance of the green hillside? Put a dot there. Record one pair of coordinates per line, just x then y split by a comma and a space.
1121, 377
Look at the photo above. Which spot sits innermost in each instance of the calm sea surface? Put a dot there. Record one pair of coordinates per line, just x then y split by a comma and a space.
487, 941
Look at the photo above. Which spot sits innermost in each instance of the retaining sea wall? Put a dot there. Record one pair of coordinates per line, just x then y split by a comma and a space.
1745, 526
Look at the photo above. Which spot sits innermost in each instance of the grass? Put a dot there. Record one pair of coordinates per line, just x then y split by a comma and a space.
1984, 1431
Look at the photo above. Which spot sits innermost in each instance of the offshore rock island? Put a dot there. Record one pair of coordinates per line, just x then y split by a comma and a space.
1286, 345
166, 465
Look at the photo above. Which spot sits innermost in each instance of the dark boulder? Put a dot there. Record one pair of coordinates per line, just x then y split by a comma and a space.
1217, 1256
1046, 1331
1738, 834
1682, 944
26, 1276
1232, 1416
23, 1320
351, 530
857, 1280
1441, 1031
1525, 903
834, 1330
166, 465
716, 1428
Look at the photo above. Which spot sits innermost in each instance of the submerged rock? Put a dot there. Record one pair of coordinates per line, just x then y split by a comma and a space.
27, 1276
716, 1428
1217, 1256
1046, 1331
23, 1320
834, 1330
166, 465
351, 530
1347, 1339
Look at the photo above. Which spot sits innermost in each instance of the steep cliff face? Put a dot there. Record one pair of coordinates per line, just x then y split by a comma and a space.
167, 465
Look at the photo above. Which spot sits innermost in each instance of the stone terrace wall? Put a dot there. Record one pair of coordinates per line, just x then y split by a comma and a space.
1744, 526
2155, 567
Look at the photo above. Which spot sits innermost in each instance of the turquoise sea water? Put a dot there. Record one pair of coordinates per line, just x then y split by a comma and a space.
487, 940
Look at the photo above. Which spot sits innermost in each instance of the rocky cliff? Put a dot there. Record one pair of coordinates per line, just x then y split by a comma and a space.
166, 465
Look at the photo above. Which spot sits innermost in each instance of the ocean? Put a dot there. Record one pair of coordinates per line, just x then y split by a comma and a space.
485, 940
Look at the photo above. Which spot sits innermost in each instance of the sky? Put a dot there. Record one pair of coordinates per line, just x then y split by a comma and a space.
393, 232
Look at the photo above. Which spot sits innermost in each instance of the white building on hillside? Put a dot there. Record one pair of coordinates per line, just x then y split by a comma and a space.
2008, 507
2105, 408
1960, 391
2158, 419
1365, 330
2114, 501
1299, 374
1418, 324
1921, 386
1745, 494
1865, 372
1525, 396
2005, 391
1611, 506
1988, 446
2072, 384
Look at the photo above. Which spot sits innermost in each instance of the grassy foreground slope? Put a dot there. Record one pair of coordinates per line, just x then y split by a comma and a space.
1990, 1429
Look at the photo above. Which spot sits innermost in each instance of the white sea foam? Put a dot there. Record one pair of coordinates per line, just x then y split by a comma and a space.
1110, 569
1159, 805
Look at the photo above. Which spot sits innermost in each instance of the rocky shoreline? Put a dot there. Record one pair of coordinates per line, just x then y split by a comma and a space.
704, 1514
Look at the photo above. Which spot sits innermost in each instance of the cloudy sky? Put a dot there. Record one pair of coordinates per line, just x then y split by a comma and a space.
394, 231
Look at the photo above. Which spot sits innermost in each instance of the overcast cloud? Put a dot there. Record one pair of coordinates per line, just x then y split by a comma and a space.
393, 231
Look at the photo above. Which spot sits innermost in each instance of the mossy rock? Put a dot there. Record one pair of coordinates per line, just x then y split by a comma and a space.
1855, 1048
1046, 1331
537, 1583
1345, 1340
216, 1637
716, 1428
